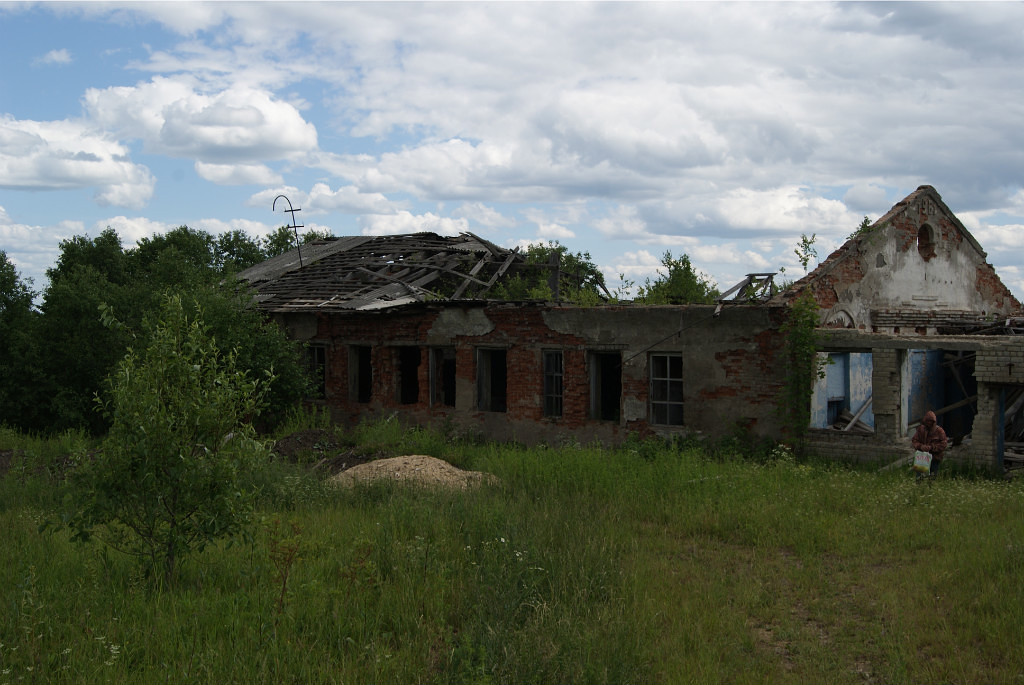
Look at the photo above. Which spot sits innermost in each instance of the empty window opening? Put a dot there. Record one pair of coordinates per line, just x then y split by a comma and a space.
553, 372
605, 385
926, 242
1011, 438
442, 376
837, 384
316, 369
360, 373
492, 380
408, 375
842, 400
835, 408
666, 389
942, 381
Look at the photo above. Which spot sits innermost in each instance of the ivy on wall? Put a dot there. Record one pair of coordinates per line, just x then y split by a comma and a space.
803, 367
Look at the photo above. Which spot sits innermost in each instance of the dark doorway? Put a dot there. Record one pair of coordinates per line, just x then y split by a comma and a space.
408, 375
491, 379
361, 373
442, 377
605, 385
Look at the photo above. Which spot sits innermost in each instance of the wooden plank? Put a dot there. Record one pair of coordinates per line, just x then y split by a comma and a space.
960, 359
467, 280
856, 417
947, 409
501, 270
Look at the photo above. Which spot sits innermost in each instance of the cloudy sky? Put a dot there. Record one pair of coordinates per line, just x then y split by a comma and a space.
722, 130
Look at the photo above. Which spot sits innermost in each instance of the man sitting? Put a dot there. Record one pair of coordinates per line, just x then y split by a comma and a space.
929, 437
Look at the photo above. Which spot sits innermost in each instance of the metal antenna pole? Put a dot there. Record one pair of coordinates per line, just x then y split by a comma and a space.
295, 227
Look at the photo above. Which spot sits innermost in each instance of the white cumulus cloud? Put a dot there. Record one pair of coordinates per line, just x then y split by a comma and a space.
236, 125
54, 155
237, 174
406, 222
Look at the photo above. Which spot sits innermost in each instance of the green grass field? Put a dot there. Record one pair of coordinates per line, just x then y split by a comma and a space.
643, 564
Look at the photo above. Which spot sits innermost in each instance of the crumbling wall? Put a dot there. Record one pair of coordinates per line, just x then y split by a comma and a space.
731, 366
999, 364
914, 265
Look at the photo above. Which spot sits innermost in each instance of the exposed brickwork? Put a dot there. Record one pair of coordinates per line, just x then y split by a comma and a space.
990, 287
733, 374
729, 379
1001, 362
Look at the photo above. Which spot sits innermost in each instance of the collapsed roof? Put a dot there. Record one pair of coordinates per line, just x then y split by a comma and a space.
375, 272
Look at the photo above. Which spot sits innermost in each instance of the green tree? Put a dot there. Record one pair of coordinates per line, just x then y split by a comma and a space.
258, 342
805, 250
104, 254
237, 251
863, 228
81, 351
18, 362
680, 283
283, 239
579, 279
183, 256
170, 477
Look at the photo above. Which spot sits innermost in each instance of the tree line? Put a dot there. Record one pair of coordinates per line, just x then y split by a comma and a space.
56, 355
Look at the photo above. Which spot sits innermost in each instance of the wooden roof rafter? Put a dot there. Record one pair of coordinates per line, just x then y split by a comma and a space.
374, 273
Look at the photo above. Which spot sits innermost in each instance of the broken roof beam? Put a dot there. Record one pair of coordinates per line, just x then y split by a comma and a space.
501, 270
759, 283
755, 284
449, 270
470, 278
414, 287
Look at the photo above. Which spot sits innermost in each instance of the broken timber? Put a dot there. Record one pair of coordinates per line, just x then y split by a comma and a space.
376, 272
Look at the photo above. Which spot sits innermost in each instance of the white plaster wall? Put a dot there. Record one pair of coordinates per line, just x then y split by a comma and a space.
897, 277
907, 281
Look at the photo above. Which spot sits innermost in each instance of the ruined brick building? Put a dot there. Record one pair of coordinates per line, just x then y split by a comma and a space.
912, 318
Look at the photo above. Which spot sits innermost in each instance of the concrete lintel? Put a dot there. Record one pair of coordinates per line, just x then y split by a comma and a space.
844, 340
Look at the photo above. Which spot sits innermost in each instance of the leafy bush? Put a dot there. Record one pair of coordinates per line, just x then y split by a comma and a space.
169, 478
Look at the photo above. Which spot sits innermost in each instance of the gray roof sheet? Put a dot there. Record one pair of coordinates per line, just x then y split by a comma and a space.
376, 272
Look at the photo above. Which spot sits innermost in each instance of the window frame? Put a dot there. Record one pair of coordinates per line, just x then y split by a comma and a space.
666, 399
553, 384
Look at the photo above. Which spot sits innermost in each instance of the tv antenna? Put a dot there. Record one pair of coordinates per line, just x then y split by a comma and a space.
295, 226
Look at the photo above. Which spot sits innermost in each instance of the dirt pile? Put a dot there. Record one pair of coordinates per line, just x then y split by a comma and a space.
413, 468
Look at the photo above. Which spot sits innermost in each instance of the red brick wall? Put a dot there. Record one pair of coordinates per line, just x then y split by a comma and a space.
731, 372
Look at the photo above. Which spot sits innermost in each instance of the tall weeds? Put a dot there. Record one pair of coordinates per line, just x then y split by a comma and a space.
652, 563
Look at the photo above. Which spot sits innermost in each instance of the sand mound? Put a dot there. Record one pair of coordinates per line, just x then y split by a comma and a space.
414, 468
